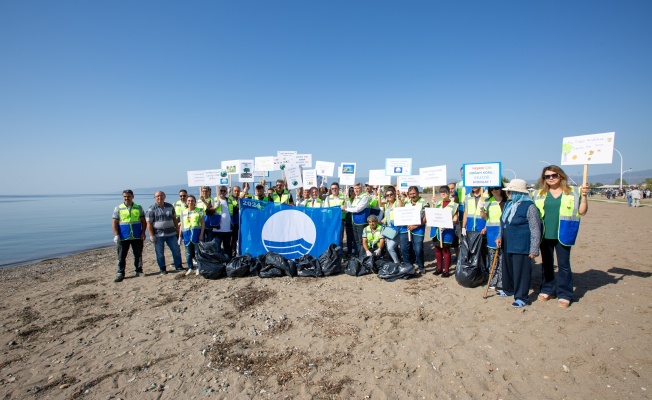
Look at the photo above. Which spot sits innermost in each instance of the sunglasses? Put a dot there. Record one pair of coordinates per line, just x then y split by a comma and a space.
551, 176
223, 191
389, 194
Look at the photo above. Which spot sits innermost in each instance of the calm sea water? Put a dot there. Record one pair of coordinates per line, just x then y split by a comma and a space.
36, 228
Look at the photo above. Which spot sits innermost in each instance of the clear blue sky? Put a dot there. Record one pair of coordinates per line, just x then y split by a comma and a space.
96, 96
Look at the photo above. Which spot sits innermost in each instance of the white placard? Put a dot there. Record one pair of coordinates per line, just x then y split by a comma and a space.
588, 149
304, 160
264, 163
246, 169
433, 176
324, 168
231, 167
482, 174
439, 217
293, 176
347, 177
378, 177
404, 216
263, 174
404, 182
309, 178
209, 177
287, 157
398, 166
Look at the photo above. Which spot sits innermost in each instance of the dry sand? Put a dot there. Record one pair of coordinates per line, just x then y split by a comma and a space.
68, 331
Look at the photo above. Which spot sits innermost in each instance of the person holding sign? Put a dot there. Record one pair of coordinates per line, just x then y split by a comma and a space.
281, 195
191, 221
519, 237
443, 238
373, 241
414, 246
211, 219
561, 207
388, 222
492, 213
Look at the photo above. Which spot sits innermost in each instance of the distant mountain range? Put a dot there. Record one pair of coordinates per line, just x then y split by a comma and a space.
631, 177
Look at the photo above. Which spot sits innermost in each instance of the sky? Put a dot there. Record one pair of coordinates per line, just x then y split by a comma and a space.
97, 96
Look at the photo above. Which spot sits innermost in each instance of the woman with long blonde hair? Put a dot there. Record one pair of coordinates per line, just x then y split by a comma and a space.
561, 207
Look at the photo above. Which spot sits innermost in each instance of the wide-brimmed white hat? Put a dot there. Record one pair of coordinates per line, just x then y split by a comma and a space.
517, 185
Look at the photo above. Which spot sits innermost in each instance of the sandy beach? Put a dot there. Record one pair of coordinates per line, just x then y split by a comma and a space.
68, 331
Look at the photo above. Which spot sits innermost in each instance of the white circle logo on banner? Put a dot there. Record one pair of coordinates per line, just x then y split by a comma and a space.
289, 233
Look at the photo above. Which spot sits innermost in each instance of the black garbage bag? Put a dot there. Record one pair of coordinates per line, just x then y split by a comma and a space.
308, 265
211, 261
470, 262
378, 264
240, 266
391, 271
368, 266
331, 260
353, 266
259, 262
275, 266
211, 251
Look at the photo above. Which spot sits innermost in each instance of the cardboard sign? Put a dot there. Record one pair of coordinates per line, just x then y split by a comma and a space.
404, 216
348, 174
293, 176
264, 163
246, 169
309, 179
231, 167
378, 177
439, 217
209, 177
433, 176
482, 174
304, 160
324, 168
404, 182
588, 149
398, 166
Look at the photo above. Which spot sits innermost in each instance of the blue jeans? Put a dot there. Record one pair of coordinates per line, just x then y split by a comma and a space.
561, 285
629, 201
191, 252
159, 248
416, 245
517, 272
391, 245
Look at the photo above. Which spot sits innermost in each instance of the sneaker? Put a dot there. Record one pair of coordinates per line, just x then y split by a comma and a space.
197, 271
194, 263
188, 272
119, 278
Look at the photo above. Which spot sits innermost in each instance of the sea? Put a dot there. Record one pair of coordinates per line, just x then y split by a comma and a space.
36, 228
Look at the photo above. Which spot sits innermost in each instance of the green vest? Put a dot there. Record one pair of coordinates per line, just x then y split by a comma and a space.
179, 206
283, 199
373, 237
569, 215
318, 203
493, 222
191, 222
448, 233
335, 202
130, 224
421, 204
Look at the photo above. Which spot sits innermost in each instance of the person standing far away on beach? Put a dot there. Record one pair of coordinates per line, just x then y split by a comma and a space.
455, 246
443, 238
281, 195
561, 207
414, 246
336, 199
163, 229
129, 231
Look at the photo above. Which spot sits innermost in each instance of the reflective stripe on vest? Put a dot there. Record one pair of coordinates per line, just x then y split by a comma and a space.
569, 215
493, 222
191, 225
130, 224
473, 220
373, 237
461, 194
449, 234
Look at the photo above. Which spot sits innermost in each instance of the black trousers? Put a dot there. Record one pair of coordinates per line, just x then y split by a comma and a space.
123, 249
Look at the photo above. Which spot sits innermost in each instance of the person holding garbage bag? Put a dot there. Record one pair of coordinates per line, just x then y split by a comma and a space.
519, 238
561, 207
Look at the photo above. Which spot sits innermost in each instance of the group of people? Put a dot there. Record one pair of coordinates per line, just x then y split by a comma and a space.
516, 227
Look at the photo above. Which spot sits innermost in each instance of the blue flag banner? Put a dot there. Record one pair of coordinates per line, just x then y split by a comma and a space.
287, 230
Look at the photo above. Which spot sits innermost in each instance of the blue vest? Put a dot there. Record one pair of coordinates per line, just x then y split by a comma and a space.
516, 235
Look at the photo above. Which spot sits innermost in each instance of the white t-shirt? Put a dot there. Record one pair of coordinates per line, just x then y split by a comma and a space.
225, 222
